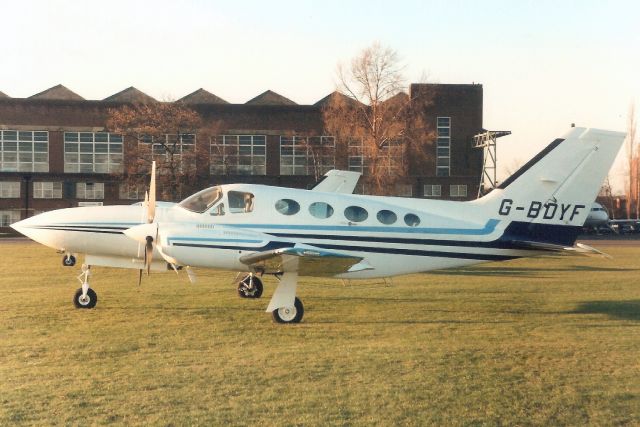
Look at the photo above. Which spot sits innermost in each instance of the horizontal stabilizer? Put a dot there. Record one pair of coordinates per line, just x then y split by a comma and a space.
337, 181
579, 248
305, 260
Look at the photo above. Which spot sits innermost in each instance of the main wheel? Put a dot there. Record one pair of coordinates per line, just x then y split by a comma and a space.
89, 301
68, 261
245, 290
289, 314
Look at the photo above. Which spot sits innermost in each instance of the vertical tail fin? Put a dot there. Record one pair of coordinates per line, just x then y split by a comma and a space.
549, 198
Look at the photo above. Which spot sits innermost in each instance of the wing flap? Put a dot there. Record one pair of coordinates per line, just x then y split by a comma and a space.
306, 261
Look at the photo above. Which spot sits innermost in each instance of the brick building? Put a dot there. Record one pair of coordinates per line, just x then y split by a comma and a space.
55, 152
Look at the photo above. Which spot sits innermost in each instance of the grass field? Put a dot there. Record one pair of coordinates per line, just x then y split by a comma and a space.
551, 341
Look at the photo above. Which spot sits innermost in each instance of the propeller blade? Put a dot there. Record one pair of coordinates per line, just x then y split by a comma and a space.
145, 206
174, 268
191, 274
148, 254
151, 209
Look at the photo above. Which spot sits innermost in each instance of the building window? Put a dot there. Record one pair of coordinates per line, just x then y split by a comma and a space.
458, 190
24, 151
10, 190
8, 217
171, 143
432, 190
88, 152
131, 191
356, 155
47, 190
238, 155
443, 146
300, 155
90, 190
390, 157
178, 147
404, 190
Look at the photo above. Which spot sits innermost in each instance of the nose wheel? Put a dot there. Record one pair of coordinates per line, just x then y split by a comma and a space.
250, 287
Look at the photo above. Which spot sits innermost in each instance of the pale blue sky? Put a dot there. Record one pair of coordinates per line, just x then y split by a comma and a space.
543, 64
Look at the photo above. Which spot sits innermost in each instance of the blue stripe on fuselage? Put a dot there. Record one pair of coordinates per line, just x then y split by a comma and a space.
488, 228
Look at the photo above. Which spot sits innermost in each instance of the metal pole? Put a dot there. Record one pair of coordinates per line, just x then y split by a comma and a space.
27, 180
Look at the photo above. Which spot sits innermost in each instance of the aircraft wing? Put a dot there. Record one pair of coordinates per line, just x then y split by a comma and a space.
579, 248
337, 181
305, 260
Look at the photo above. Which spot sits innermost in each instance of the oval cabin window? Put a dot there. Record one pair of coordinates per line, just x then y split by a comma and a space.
387, 217
320, 210
287, 206
356, 214
411, 220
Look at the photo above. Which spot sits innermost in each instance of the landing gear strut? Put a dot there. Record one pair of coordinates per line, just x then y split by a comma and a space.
284, 306
85, 297
250, 286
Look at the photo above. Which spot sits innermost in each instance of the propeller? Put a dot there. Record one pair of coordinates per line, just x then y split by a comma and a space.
146, 233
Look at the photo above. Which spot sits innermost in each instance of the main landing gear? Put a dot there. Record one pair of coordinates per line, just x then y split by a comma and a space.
85, 297
250, 286
284, 306
68, 260
289, 314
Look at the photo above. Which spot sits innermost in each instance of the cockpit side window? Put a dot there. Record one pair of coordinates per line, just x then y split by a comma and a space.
202, 200
217, 210
240, 201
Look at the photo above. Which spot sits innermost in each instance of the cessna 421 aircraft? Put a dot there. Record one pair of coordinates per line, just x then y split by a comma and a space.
330, 232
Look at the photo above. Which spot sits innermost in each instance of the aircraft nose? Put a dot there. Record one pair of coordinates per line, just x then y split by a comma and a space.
16, 226
29, 227
21, 226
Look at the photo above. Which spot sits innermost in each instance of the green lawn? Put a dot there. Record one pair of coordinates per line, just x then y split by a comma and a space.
551, 341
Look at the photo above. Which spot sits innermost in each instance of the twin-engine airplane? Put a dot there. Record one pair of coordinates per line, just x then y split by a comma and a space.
330, 232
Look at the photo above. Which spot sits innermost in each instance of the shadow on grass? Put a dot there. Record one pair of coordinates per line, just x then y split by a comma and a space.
412, 322
524, 271
628, 310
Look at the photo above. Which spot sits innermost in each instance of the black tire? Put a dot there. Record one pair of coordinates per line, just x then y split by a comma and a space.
92, 299
289, 314
68, 261
245, 291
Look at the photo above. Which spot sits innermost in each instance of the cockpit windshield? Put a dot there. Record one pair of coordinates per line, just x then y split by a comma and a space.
202, 200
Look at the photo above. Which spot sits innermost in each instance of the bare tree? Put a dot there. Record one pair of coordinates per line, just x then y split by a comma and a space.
633, 163
606, 195
164, 132
373, 115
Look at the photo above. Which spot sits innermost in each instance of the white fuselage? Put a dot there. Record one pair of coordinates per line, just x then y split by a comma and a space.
442, 239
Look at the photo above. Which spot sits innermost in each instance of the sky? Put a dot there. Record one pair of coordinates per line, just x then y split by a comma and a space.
543, 64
